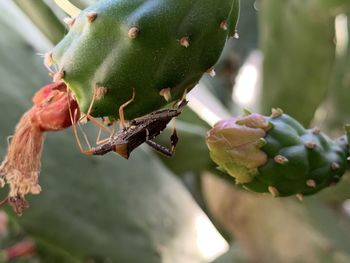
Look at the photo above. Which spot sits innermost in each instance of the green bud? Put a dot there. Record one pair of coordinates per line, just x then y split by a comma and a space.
277, 155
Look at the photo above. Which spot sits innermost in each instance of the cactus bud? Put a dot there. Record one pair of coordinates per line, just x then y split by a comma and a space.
234, 146
23, 249
276, 154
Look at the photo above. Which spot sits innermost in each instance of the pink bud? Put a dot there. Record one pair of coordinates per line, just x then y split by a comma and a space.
233, 145
25, 248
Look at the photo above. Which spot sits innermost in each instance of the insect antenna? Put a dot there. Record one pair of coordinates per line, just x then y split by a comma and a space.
121, 111
77, 122
84, 136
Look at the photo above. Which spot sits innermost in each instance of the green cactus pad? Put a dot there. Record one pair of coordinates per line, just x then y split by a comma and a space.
145, 45
300, 161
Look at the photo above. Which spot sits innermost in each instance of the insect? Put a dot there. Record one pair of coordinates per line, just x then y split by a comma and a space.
138, 131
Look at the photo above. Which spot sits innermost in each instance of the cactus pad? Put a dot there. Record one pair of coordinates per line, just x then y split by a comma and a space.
159, 48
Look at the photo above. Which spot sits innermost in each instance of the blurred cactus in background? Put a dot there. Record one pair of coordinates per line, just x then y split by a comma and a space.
291, 54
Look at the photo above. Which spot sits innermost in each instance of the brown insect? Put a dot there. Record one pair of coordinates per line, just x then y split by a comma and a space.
138, 131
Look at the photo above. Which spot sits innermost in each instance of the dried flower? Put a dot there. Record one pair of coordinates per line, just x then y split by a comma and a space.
21, 166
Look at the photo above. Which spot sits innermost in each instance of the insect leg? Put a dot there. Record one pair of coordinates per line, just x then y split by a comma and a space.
84, 135
160, 148
164, 150
181, 103
74, 120
103, 141
74, 127
121, 111
92, 119
98, 136
173, 138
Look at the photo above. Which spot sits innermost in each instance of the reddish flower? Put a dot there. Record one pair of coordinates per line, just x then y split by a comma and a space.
21, 166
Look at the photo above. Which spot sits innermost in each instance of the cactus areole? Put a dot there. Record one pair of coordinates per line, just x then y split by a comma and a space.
277, 155
159, 48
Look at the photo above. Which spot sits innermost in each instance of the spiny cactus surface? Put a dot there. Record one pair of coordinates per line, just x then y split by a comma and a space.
159, 48
276, 154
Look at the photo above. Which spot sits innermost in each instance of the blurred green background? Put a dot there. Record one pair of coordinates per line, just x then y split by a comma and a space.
293, 54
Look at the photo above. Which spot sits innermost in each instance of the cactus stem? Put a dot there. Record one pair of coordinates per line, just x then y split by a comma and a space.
280, 159
48, 61
166, 93
335, 166
316, 130
310, 145
276, 112
273, 191
300, 197
91, 16
185, 42
69, 21
261, 143
223, 25
311, 183
58, 75
133, 32
211, 72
